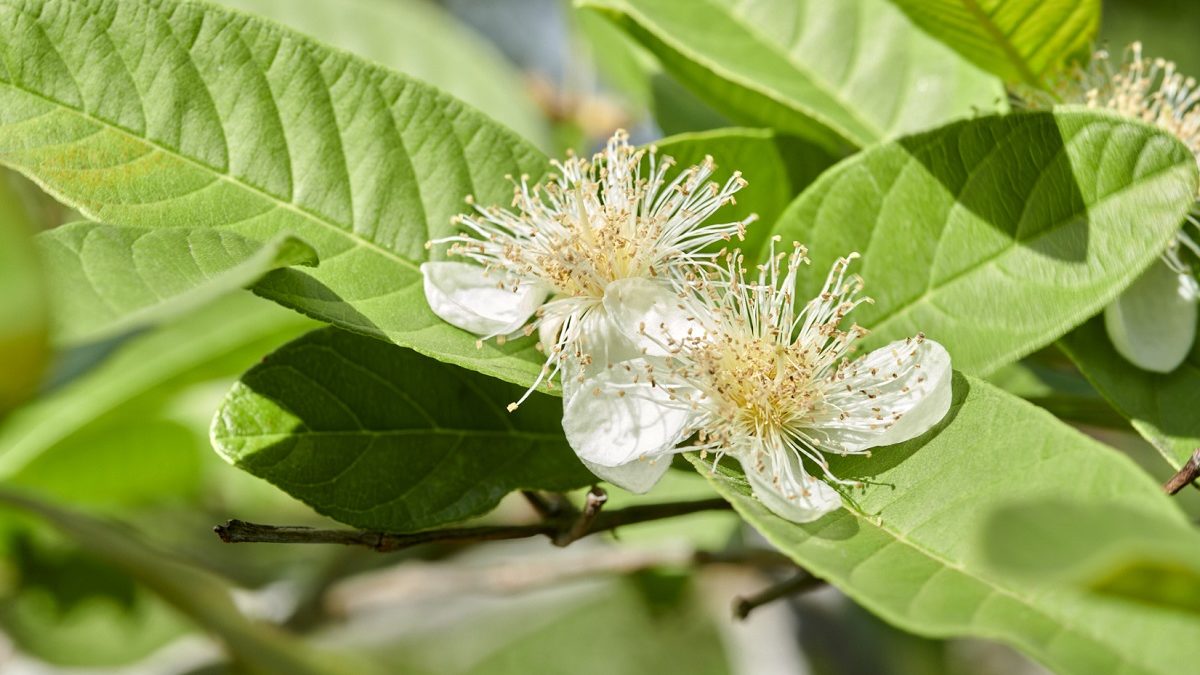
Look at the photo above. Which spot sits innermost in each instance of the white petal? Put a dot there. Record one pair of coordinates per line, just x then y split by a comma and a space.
800, 498
637, 477
610, 429
606, 346
464, 296
1153, 323
911, 379
637, 302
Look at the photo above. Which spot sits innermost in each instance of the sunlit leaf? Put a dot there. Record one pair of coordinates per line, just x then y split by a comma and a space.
910, 545
1119, 552
417, 38
106, 280
845, 74
1019, 40
998, 235
284, 136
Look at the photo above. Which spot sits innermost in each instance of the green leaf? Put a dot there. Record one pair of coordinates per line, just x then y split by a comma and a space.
106, 280
202, 597
382, 438
24, 318
75, 442
909, 545
417, 38
777, 167
70, 609
1115, 551
1019, 40
1161, 406
164, 113
998, 235
1062, 391
844, 74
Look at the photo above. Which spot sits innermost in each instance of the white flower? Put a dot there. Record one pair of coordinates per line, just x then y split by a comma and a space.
611, 234
757, 378
1153, 324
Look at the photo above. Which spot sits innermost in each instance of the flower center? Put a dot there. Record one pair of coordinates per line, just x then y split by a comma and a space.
758, 384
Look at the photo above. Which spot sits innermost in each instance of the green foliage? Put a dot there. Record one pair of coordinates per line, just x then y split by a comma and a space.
998, 235
1019, 40
107, 280
1115, 551
76, 443
417, 38
1161, 406
24, 320
383, 438
200, 596
777, 167
291, 137
71, 609
909, 546
216, 151
823, 70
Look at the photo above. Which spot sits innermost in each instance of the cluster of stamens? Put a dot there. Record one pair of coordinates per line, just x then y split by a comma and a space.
616, 216
761, 367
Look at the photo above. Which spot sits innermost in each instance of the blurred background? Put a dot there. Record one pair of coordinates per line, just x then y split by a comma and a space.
121, 430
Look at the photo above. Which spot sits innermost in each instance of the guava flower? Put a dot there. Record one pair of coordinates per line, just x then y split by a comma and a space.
561, 261
758, 377
1152, 324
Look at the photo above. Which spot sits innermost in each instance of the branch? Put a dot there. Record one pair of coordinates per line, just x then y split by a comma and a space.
565, 530
596, 498
798, 584
1189, 473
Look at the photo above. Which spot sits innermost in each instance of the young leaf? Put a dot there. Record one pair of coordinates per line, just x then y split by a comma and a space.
256, 647
1019, 40
168, 113
88, 422
998, 235
909, 545
1161, 406
1116, 551
823, 70
24, 317
777, 168
382, 438
419, 39
106, 280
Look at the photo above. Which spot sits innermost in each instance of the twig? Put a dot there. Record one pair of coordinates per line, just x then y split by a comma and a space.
546, 507
596, 498
238, 531
797, 584
1189, 473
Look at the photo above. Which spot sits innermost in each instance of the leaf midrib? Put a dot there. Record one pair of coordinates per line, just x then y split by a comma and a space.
277, 202
826, 87
1001, 40
933, 289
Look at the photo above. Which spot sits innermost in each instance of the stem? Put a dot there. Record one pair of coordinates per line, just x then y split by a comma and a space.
558, 529
798, 584
1185, 476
